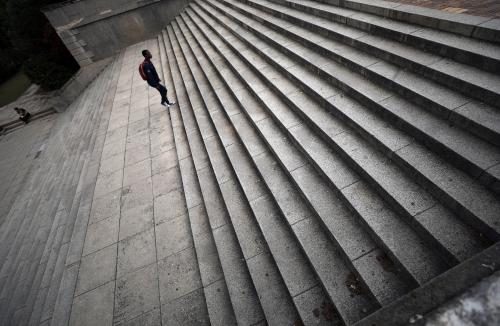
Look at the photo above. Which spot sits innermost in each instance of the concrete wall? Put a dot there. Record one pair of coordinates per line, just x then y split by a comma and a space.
96, 29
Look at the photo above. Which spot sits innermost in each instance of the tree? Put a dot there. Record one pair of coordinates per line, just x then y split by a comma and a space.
8, 55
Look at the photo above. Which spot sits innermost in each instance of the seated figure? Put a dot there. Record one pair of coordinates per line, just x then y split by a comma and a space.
24, 115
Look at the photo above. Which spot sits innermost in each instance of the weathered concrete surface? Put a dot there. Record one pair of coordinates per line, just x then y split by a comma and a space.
484, 8
93, 30
478, 306
137, 265
19, 152
292, 183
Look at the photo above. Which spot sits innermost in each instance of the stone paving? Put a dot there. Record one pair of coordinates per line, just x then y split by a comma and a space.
486, 8
138, 259
315, 171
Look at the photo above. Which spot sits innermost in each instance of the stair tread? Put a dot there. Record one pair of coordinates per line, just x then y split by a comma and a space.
212, 277
457, 41
40, 251
237, 209
425, 122
236, 85
241, 291
252, 189
401, 190
336, 160
474, 82
361, 118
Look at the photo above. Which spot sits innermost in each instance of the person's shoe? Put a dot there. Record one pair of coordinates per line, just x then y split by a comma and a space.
167, 105
171, 103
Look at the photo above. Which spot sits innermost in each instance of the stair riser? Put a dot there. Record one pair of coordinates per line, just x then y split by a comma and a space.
423, 181
434, 144
61, 186
248, 155
397, 207
297, 185
417, 98
473, 59
359, 169
457, 84
272, 268
225, 261
67, 281
426, 18
185, 177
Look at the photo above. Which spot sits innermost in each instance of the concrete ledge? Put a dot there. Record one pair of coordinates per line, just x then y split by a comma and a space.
78, 83
482, 28
438, 291
10, 126
94, 29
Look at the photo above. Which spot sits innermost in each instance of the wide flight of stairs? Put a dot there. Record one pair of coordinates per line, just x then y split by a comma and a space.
44, 228
337, 168
348, 164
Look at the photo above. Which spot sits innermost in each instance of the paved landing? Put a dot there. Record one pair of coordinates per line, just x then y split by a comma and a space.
486, 8
137, 263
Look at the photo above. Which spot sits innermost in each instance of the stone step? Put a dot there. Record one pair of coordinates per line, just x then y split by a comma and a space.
467, 50
311, 172
408, 205
396, 145
23, 280
318, 198
287, 255
237, 239
16, 125
60, 312
302, 286
242, 295
38, 180
482, 28
43, 306
217, 299
85, 195
476, 83
452, 106
394, 195
26, 228
36, 253
472, 250
444, 139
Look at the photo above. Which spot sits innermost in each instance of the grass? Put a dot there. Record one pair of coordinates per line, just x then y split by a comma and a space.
13, 88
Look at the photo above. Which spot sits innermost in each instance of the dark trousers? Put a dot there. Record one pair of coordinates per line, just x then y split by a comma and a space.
163, 92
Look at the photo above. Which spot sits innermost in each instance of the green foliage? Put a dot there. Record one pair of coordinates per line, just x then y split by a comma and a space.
28, 40
43, 70
10, 64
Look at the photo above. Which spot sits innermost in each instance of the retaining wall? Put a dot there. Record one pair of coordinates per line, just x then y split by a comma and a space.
96, 29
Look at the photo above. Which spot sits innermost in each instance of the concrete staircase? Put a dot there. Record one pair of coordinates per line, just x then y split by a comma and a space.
325, 165
348, 164
42, 233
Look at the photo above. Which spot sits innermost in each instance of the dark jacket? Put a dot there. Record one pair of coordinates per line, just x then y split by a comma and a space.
151, 74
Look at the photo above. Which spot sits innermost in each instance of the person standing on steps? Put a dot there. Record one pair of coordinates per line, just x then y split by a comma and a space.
149, 74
